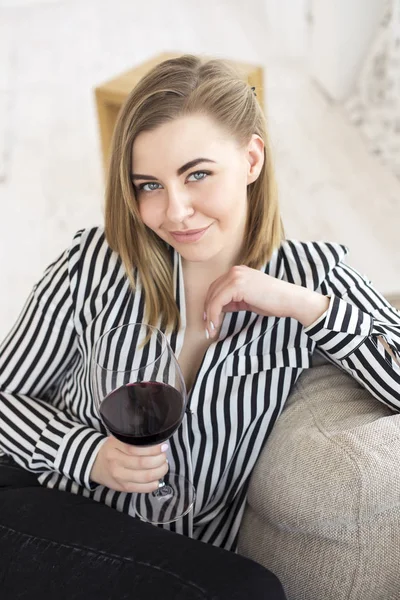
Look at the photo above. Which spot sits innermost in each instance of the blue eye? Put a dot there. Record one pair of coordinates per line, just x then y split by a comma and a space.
206, 173
142, 186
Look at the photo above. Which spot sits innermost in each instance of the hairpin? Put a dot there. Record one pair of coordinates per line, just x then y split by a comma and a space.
254, 90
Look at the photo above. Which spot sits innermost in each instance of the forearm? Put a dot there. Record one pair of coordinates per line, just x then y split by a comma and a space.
366, 344
42, 438
308, 306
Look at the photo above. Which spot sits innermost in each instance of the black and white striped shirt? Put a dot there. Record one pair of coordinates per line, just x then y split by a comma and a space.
48, 421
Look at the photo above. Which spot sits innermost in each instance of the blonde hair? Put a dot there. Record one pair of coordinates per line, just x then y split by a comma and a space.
172, 89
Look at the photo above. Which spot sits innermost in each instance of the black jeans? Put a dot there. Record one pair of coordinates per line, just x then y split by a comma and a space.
57, 545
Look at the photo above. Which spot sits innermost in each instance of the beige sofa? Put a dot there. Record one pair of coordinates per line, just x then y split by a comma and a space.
323, 510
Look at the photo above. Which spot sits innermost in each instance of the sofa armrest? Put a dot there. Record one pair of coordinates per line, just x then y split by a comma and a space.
323, 509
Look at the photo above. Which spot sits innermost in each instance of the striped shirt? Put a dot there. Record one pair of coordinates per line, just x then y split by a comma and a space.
48, 420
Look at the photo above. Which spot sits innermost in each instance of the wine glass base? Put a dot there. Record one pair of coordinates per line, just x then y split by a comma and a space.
168, 503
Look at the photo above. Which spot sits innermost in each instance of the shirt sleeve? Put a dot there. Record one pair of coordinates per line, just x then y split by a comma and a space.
35, 428
360, 332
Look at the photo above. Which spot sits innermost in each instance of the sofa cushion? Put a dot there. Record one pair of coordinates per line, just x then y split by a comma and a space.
323, 509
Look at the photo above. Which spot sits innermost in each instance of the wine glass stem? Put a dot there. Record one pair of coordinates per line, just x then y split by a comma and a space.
163, 490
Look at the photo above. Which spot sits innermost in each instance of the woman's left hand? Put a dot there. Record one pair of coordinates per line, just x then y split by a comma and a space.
243, 288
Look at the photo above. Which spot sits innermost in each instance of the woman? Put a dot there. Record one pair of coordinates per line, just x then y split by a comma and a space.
192, 243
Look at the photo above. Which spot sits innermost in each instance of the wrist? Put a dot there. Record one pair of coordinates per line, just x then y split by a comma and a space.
310, 306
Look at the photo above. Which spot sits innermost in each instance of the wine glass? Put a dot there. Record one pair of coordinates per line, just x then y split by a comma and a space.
141, 397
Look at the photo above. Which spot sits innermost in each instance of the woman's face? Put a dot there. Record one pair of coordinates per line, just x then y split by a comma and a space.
191, 181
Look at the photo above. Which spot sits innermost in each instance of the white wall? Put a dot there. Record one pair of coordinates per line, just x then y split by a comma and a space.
287, 28
341, 33
331, 37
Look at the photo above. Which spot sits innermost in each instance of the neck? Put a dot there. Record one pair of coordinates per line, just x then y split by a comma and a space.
208, 270
216, 266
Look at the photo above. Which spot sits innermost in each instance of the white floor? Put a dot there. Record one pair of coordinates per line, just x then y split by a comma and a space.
53, 53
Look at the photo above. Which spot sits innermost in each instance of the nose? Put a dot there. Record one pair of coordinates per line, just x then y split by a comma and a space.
179, 206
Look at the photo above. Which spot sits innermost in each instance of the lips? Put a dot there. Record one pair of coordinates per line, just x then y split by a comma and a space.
189, 232
193, 235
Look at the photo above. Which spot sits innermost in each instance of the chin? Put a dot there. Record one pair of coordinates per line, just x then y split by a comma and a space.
196, 254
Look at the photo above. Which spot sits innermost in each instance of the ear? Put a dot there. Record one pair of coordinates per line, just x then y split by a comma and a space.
254, 157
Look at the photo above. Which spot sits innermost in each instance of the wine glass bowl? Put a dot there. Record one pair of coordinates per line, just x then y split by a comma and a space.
140, 394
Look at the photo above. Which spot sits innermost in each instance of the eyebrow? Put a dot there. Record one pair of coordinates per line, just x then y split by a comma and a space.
181, 170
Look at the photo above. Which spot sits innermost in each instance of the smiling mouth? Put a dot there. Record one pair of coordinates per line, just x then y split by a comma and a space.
189, 232
193, 235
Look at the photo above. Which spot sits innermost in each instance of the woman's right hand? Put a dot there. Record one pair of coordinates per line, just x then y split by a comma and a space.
125, 468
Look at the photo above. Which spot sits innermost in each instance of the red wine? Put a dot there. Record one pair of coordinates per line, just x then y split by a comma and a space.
142, 414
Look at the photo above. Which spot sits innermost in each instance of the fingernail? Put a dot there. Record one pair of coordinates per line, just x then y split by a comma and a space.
212, 326
164, 447
207, 334
204, 316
